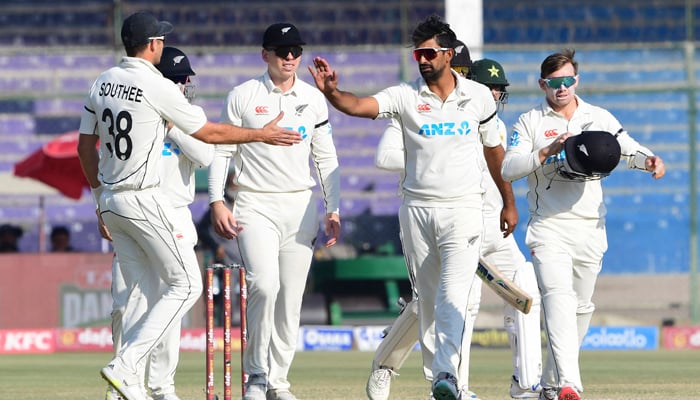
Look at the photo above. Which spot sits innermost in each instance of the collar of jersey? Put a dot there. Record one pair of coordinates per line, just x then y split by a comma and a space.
271, 88
139, 62
460, 88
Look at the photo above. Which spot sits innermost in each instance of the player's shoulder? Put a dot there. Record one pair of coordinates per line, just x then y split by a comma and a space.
592, 109
308, 92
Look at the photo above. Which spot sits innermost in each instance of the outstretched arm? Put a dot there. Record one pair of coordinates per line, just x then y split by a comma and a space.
327, 82
220, 133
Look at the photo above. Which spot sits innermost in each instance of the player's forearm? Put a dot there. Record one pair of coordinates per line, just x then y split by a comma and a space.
218, 169
219, 133
89, 159
350, 104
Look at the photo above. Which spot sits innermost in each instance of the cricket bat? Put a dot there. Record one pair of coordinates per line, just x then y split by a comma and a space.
504, 287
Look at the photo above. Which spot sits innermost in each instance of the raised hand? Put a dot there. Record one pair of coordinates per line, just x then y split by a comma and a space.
326, 79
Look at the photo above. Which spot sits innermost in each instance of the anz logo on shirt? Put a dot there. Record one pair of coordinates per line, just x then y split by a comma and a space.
301, 130
170, 149
445, 129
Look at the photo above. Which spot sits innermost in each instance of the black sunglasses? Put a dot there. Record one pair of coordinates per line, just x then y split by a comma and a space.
283, 51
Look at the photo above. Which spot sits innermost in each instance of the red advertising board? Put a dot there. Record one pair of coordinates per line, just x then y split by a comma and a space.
681, 337
14, 341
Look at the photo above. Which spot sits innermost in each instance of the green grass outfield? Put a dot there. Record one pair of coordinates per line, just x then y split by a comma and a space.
342, 375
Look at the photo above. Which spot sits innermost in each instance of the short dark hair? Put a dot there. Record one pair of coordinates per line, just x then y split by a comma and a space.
434, 27
133, 51
556, 61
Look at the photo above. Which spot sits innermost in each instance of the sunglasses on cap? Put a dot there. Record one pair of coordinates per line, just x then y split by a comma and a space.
429, 53
555, 83
283, 51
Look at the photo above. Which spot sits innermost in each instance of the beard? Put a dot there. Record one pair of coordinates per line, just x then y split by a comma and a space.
429, 73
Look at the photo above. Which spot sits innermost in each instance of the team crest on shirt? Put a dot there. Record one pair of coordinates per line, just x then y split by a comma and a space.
300, 109
462, 104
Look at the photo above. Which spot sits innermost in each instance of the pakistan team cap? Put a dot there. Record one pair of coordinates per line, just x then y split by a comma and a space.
142, 25
462, 57
488, 72
592, 153
174, 63
282, 34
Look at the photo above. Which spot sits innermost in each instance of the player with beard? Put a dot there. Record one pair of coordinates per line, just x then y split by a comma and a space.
441, 115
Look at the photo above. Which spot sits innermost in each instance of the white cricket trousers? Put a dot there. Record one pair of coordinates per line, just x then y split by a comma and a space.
441, 246
567, 256
276, 244
140, 292
149, 238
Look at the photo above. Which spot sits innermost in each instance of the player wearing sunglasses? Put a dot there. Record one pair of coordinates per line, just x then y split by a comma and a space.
523, 330
566, 264
273, 205
444, 119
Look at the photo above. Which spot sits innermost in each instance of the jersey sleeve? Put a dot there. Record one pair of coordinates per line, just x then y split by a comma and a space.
195, 150
521, 157
233, 109
174, 107
632, 152
488, 123
325, 158
88, 118
390, 151
218, 170
390, 101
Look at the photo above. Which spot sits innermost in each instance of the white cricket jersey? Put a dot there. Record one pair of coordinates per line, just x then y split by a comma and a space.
279, 169
181, 155
493, 202
390, 156
440, 139
550, 195
127, 107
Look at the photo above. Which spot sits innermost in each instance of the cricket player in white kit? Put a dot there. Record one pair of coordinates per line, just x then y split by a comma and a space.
523, 330
566, 230
128, 110
275, 217
441, 114
181, 154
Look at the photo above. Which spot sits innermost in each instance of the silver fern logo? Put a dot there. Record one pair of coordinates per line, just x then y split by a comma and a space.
300, 109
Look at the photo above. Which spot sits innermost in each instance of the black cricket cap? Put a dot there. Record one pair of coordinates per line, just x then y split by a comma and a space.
462, 57
174, 63
142, 25
282, 34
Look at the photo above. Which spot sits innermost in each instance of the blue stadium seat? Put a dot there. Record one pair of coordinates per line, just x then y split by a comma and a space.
57, 125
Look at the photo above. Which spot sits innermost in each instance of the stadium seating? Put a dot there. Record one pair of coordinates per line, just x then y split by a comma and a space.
643, 86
